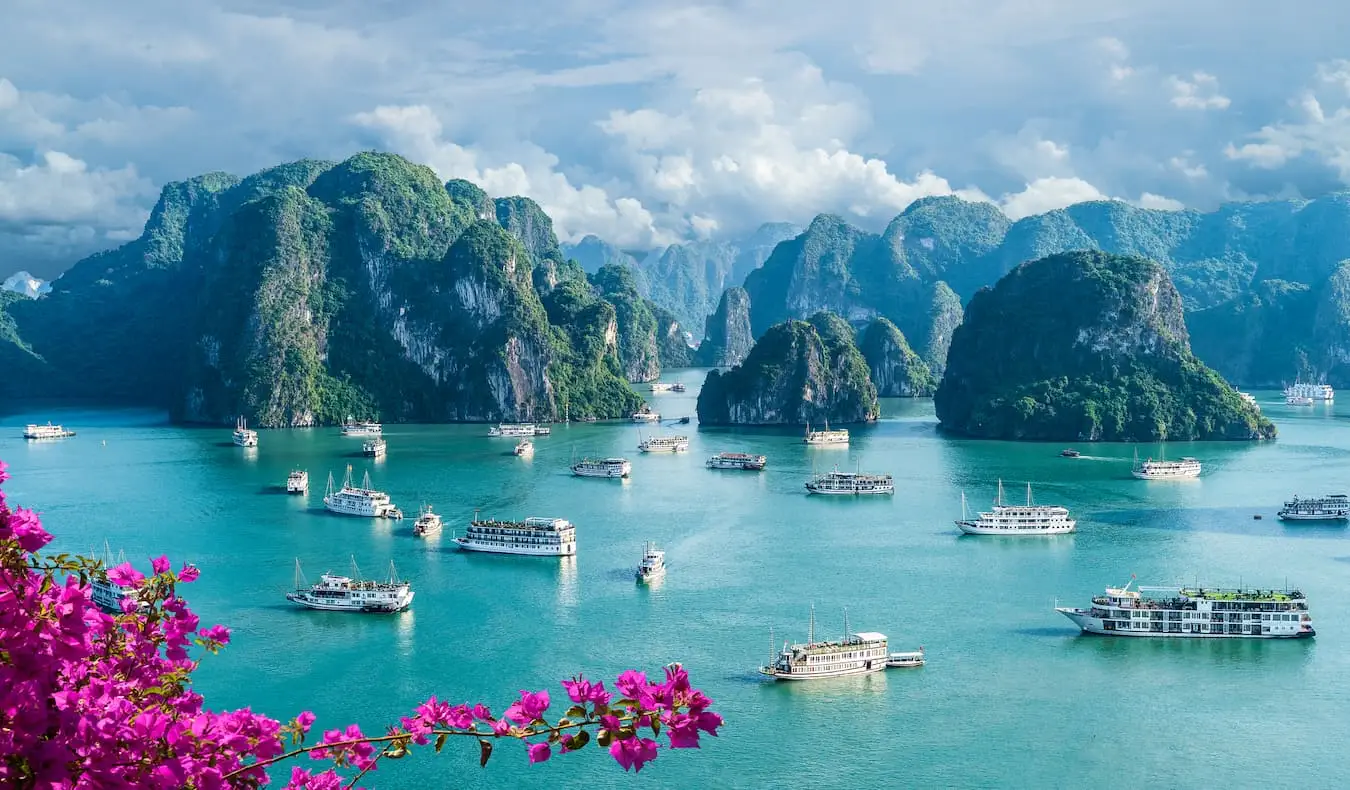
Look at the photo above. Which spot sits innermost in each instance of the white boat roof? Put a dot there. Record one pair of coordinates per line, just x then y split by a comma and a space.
869, 636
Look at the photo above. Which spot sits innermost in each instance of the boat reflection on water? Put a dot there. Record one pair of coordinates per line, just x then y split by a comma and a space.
567, 581
406, 635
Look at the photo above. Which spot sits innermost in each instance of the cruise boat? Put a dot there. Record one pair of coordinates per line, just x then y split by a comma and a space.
427, 523
677, 387
827, 436
1250, 400
517, 429
1298, 400
1317, 392
645, 414
602, 467
1165, 470
907, 659
297, 482
243, 436
653, 565
1331, 507
664, 444
843, 483
525, 447
536, 536
105, 594
1028, 519
855, 654
364, 428
1195, 612
363, 501
47, 431
374, 448
745, 461
352, 593
658, 387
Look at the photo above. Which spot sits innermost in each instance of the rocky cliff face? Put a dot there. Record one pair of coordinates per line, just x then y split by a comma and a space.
798, 372
639, 356
312, 292
1100, 352
726, 336
672, 349
896, 370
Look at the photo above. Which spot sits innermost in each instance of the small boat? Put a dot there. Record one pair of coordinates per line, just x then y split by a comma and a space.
744, 461
428, 523
645, 414
658, 387
364, 501
684, 421
1298, 400
525, 447
850, 483
677, 387
297, 482
858, 653
1165, 470
664, 444
837, 438
1070, 453
602, 467
1017, 520
512, 429
352, 593
47, 431
373, 448
653, 565
244, 437
912, 658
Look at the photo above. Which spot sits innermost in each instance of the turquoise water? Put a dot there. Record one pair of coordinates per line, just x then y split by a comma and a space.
1011, 696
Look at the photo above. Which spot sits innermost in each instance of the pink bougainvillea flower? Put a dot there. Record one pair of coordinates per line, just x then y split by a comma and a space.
539, 752
633, 752
126, 576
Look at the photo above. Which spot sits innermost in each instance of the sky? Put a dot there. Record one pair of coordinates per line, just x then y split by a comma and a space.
649, 123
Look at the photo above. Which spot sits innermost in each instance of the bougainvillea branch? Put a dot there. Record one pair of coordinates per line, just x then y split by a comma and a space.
93, 699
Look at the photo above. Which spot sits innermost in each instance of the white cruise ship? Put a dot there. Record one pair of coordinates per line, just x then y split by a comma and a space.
428, 523
1199, 612
243, 436
848, 483
664, 444
1028, 519
524, 447
363, 501
374, 448
745, 461
645, 414
1165, 470
653, 565
352, 593
363, 428
1331, 507
827, 436
518, 429
602, 467
47, 431
856, 654
297, 482
659, 387
546, 537
1298, 400
1317, 392
105, 594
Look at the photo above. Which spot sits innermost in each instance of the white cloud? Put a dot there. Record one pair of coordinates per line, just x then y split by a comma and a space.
1267, 155
1183, 165
1150, 200
1048, 194
1201, 92
60, 190
416, 132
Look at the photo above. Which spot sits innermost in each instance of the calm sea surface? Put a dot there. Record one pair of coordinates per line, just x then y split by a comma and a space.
1012, 695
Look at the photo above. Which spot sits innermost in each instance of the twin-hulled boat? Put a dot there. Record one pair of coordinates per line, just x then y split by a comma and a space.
1017, 520
352, 593
1165, 470
850, 483
837, 438
664, 444
1329, 507
602, 467
297, 482
653, 565
1195, 613
364, 501
535, 536
361, 428
47, 431
427, 523
243, 435
743, 461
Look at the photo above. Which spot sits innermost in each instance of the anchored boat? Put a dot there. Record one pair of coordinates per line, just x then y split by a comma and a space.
1331, 507
363, 428
364, 501
536, 536
243, 436
745, 461
47, 431
827, 436
855, 654
602, 467
664, 444
848, 483
297, 482
1165, 470
1195, 613
352, 593
374, 448
427, 523
1028, 519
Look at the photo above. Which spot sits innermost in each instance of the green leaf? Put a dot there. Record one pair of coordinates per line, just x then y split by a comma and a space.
576, 711
395, 752
656, 726
484, 752
605, 737
577, 741
440, 741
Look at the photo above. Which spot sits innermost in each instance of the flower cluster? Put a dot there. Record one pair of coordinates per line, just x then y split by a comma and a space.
96, 699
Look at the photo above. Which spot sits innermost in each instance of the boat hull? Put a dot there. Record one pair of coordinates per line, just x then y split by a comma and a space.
876, 665
614, 473
565, 550
828, 492
1177, 476
1093, 625
334, 606
1285, 516
972, 528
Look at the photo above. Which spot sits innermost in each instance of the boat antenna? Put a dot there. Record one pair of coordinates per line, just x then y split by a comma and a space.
811, 626
845, 623
1028, 494
999, 501
770, 645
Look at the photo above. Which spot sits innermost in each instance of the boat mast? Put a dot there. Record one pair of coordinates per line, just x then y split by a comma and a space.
356, 572
811, 627
1028, 494
845, 623
963, 505
365, 480
999, 501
